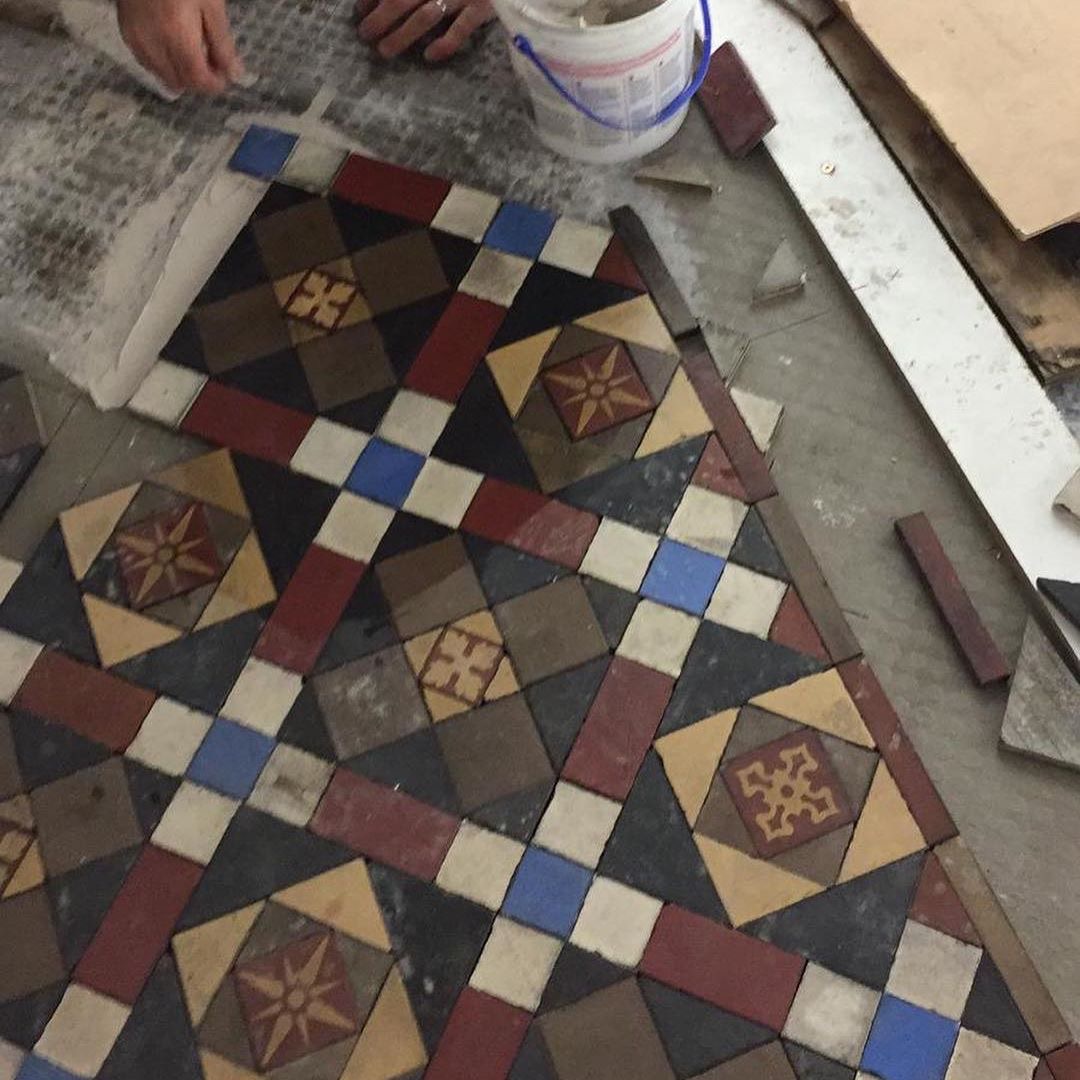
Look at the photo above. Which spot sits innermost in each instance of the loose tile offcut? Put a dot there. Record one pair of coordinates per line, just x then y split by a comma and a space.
472, 711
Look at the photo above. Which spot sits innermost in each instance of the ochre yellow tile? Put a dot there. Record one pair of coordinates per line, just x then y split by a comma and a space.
217, 1068
482, 624
636, 321
503, 683
29, 875
17, 811
418, 649
442, 706
86, 528
390, 1045
822, 702
679, 416
211, 478
205, 953
286, 286
247, 585
341, 898
750, 888
120, 634
885, 832
691, 756
515, 367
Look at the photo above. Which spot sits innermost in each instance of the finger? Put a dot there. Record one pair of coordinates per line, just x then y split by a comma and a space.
472, 17
187, 52
219, 42
363, 7
426, 17
387, 13
157, 62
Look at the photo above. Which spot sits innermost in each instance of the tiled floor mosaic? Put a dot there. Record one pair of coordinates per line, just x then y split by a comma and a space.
475, 712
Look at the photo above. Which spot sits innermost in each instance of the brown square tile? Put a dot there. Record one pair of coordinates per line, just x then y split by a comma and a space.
10, 777
297, 238
346, 365
16, 836
19, 425
767, 1062
28, 946
246, 326
755, 727
550, 630
400, 271
84, 817
720, 820
430, 586
608, 1034
493, 752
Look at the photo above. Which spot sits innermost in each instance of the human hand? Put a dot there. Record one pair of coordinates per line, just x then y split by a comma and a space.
187, 44
396, 25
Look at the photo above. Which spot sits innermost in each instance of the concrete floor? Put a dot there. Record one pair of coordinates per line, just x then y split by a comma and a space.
852, 455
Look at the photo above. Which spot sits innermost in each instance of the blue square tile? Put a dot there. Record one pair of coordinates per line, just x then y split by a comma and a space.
385, 472
262, 152
35, 1068
230, 758
908, 1043
547, 892
520, 230
682, 577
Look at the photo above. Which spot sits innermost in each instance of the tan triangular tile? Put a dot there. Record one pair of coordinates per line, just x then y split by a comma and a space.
341, 898
17, 811
217, 1068
247, 585
885, 832
482, 624
86, 528
120, 634
286, 286
390, 1045
691, 756
29, 875
503, 683
442, 706
819, 701
211, 478
514, 367
418, 649
636, 321
679, 416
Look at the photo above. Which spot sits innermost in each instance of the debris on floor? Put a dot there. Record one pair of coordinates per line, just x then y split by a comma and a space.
1068, 498
680, 172
729, 348
22, 437
1065, 594
785, 275
762, 416
734, 104
815, 13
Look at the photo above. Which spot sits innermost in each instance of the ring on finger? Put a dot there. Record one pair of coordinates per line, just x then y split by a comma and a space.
444, 8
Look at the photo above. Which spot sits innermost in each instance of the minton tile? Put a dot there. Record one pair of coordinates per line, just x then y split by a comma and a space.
616, 922
195, 822
230, 758
832, 1015
32, 955
414, 765
933, 970
707, 521
682, 577
480, 865
575, 245
909, 1043
577, 824
262, 697
442, 492
619, 554
482, 1038
547, 892
385, 473
166, 393
576, 975
992, 1011
312, 165
82, 1031
290, 785
495, 276
169, 736
414, 421
746, 601
262, 152
515, 964
659, 637
466, 212
329, 451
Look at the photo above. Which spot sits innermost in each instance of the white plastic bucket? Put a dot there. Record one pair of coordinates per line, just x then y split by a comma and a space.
611, 93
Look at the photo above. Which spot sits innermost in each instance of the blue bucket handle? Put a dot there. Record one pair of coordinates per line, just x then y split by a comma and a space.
524, 46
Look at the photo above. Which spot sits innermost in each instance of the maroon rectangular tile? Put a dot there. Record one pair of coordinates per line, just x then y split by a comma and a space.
481, 1040
93, 703
531, 522
309, 609
385, 824
985, 659
241, 421
136, 928
1064, 1064
619, 728
926, 806
751, 978
616, 266
449, 357
734, 103
405, 192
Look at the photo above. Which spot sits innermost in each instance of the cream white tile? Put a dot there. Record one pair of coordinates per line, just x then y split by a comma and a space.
262, 696
495, 276
707, 521
479, 865
620, 554
933, 970
194, 822
291, 784
577, 824
354, 526
169, 736
832, 1015
466, 212
415, 421
659, 637
312, 165
17, 656
167, 392
576, 246
82, 1031
515, 964
9, 574
616, 922
443, 492
745, 600
11, 1058
975, 1057
329, 451
762, 416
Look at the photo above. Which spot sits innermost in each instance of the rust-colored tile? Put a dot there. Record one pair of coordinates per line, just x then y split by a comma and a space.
616, 266
481, 1039
793, 627
1064, 1064
937, 905
736, 108
767, 1062
715, 472
405, 192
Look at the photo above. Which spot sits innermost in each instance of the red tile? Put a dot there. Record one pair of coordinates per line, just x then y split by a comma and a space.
531, 522
309, 609
457, 344
616, 266
794, 628
619, 728
715, 472
735, 106
751, 978
911, 777
385, 824
247, 423
481, 1040
1042, 1072
410, 194
936, 904
1065, 1063
749, 463
91, 702
137, 927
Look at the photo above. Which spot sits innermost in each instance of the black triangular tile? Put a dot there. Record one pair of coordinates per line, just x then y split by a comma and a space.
754, 548
280, 197
406, 532
362, 226
455, 253
240, 268
257, 856
437, 939
405, 330
613, 607
695, 1034
23, 1020
1066, 594
364, 627
651, 848
533, 1061
151, 793
14, 469
46, 752
726, 668
201, 668
516, 815
576, 975
45, 604
505, 573
185, 346
645, 492
811, 1066
852, 929
304, 726
413, 764
157, 1039
559, 706
991, 1010
279, 378
365, 413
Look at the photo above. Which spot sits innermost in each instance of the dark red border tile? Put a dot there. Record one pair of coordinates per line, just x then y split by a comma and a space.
247, 423
384, 824
309, 609
1064, 1064
1042, 1072
715, 472
937, 905
734, 104
793, 627
406, 192
481, 1040
616, 266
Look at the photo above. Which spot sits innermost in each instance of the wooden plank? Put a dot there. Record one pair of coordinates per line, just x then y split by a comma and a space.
1038, 296
1001, 82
